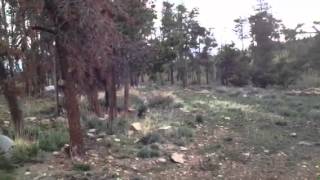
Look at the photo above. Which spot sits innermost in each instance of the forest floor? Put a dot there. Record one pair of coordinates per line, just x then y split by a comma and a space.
218, 133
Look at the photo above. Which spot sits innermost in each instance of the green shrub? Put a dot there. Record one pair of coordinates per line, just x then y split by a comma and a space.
53, 139
182, 136
199, 119
24, 151
184, 132
119, 126
160, 102
4, 175
151, 138
5, 164
147, 152
81, 167
142, 110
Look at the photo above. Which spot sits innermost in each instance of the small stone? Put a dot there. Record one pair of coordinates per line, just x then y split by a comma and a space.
177, 158
32, 119
136, 126
99, 140
266, 151
162, 160
91, 135
61, 119
246, 154
102, 135
293, 134
227, 118
305, 143
183, 149
117, 140
27, 173
92, 131
56, 153
165, 128
45, 121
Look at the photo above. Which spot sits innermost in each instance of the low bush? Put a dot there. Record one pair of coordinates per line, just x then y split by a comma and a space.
81, 167
24, 151
160, 102
151, 138
148, 152
53, 139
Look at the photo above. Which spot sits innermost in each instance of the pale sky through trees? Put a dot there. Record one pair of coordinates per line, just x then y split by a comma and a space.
220, 14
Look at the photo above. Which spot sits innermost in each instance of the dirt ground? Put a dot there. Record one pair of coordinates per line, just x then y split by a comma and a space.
238, 133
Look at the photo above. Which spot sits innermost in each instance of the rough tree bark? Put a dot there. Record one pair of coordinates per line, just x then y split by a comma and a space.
94, 101
11, 95
71, 103
126, 90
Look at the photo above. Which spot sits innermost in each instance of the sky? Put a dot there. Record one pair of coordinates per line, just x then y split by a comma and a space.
219, 14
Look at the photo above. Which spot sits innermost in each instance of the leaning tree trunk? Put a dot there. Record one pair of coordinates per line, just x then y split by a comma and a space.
11, 95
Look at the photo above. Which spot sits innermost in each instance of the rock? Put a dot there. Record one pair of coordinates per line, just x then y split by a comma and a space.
204, 92
32, 119
165, 127
27, 173
162, 160
136, 126
102, 135
117, 140
227, 118
99, 140
6, 146
49, 88
61, 119
177, 158
92, 131
305, 143
183, 149
90, 135
246, 154
56, 153
222, 89
293, 134
45, 121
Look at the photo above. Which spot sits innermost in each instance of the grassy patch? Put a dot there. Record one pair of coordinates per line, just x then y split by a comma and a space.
53, 139
151, 138
24, 151
148, 152
160, 102
182, 136
81, 167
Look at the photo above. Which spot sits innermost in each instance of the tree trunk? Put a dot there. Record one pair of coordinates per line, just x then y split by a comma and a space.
113, 95
71, 103
11, 96
172, 74
126, 90
93, 98
207, 74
